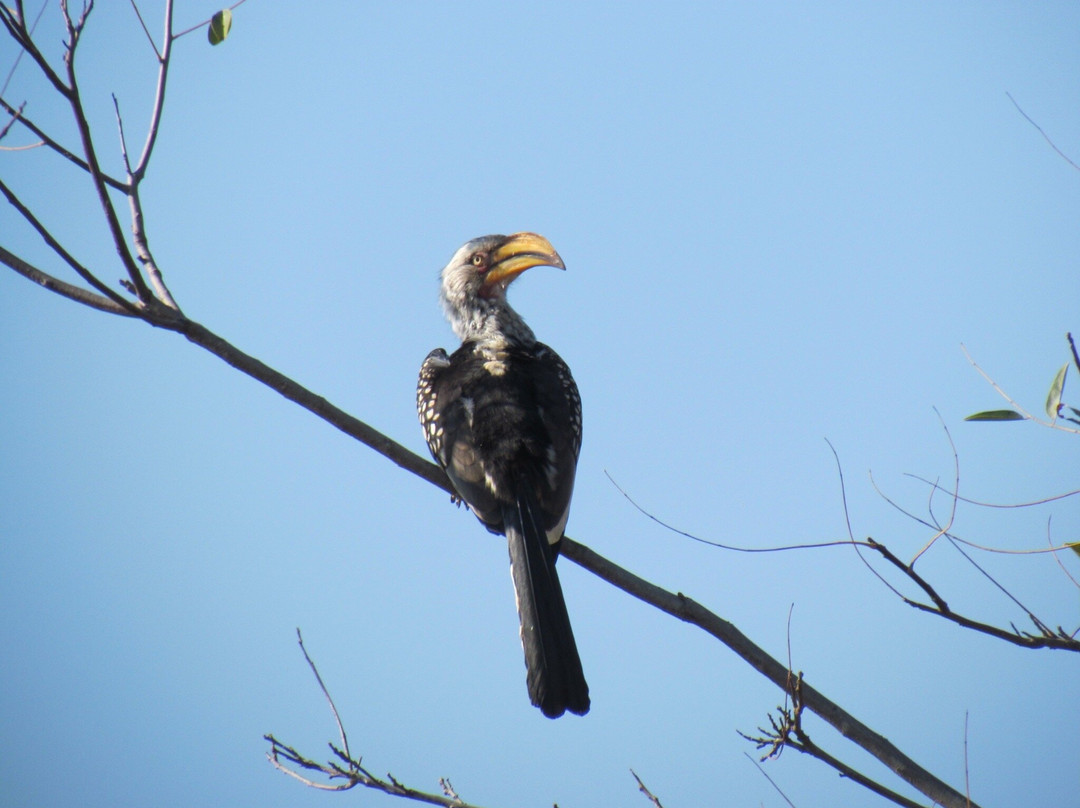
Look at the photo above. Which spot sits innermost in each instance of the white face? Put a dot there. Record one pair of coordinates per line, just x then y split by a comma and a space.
472, 314
465, 273
461, 282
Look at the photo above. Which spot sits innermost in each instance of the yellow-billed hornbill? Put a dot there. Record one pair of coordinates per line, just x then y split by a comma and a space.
502, 416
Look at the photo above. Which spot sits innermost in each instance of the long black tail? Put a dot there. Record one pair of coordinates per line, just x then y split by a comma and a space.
555, 678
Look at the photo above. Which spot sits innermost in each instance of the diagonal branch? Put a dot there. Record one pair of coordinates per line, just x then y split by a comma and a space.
295, 392
68, 290
74, 98
56, 247
15, 23
149, 38
1046, 137
138, 221
687, 610
164, 60
353, 775
59, 149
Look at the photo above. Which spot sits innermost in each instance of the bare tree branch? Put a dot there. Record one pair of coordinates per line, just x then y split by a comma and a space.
56, 247
682, 607
164, 59
1047, 639
772, 783
1046, 137
56, 147
981, 504
149, 38
76, 293
350, 771
353, 774
74, 97
333, 707
15, 24
648, 794
787, 731
18, 58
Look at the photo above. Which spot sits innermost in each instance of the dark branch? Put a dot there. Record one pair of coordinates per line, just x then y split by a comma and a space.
70, 291
56, 147
56, 247
315, 404
690, 611
1047, 639
15, 23
347, 769
648, 794
787, 731
74, 97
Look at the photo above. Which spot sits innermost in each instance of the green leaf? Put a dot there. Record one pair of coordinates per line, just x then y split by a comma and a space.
996, 415
220, 24
1074, 546
1053, 398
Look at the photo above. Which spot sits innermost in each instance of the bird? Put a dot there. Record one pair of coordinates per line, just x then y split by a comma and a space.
502, 417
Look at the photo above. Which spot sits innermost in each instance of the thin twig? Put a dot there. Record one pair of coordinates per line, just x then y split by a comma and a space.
787, 635
120, 127
56, 247
1050, 541
68, 290
648, 794
956, 487
19, 55
352, 773
688, 610
15, 23
62, 151
765, 774
15, 116
326, 693
733, 548
164, 59
1039, 624
1033, 503
146, 30
1046, 137
786, 730
82, 124
847, 523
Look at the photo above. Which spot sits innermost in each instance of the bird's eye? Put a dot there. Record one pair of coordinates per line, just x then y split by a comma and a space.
478, 259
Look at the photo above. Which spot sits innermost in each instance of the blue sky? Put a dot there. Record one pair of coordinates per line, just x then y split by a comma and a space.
780, 222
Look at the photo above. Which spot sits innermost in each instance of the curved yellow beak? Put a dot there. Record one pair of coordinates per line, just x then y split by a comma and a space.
517, 253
